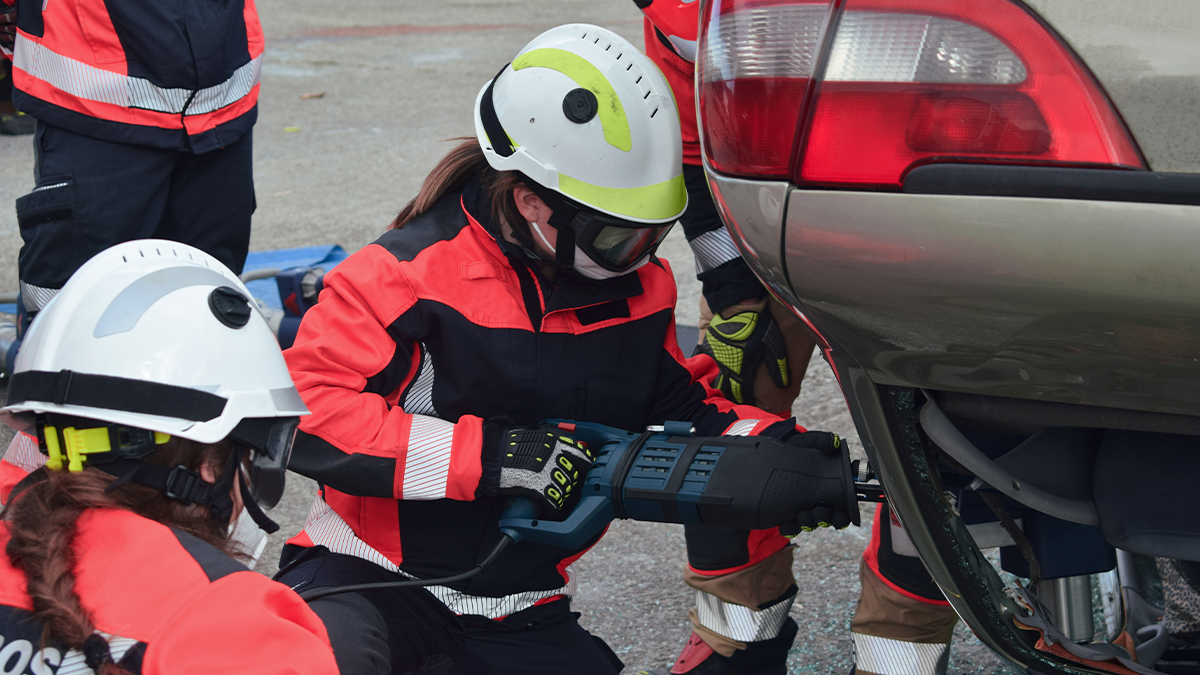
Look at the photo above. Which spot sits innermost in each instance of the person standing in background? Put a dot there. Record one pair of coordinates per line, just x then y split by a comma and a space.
144, 114
761, 349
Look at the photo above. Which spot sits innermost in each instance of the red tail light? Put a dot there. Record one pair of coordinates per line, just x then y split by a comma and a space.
903, 83
755, 70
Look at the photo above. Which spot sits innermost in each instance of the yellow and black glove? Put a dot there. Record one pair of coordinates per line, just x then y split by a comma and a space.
544, 464
739, 338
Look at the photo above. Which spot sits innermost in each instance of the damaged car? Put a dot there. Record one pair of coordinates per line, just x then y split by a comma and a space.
988, 213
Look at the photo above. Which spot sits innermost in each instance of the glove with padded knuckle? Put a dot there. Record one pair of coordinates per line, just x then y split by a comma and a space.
836, 504
544, 464
738, 339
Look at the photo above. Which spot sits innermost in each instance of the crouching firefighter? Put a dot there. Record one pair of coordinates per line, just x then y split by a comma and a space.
520, 285
164, 414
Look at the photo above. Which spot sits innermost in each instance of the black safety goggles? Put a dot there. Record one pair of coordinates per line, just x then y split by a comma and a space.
613, 243
271, 439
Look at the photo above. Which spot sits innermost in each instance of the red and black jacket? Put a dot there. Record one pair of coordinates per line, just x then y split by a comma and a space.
177, 74
433, 329
166, 602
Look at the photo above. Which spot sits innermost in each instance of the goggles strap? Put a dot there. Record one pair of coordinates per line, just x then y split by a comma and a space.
256, 513
491, 122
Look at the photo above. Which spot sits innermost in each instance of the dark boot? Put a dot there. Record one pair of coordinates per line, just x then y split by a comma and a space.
767, 657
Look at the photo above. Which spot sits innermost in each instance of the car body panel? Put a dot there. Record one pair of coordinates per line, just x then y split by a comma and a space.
1146, 53
1070, 301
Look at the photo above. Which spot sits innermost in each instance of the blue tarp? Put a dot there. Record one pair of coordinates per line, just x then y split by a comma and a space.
265, 289
308, 256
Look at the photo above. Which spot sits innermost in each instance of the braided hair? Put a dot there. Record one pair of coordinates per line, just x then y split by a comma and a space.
42, 518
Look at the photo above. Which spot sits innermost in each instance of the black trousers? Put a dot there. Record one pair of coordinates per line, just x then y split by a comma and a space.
92, 194
398, 630
733, 281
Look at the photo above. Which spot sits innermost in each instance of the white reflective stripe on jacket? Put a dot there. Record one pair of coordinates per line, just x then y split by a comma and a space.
325, 528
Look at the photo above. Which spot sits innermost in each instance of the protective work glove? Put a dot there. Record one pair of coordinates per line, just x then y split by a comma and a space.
833, 500
739, 338
543, 464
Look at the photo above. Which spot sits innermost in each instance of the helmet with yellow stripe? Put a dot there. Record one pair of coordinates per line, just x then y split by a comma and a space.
592, 125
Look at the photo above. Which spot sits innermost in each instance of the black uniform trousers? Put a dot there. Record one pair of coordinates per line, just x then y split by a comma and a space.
407, 630
93, 194
733, 281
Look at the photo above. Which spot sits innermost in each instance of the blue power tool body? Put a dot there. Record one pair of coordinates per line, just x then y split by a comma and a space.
667, 475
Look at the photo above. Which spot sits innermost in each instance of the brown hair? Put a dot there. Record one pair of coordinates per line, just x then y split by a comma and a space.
41, 522
463, 162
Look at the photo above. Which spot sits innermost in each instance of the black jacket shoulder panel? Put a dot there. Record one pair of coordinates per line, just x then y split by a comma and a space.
442, 222
214, 563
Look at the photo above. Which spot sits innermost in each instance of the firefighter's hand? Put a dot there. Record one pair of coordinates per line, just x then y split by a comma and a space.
738, 339
544, 464
835, 508
825, 441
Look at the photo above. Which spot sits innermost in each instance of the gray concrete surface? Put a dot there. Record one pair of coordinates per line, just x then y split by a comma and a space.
398, 79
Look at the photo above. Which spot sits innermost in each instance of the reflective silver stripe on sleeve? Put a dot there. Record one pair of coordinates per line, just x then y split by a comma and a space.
741, 623
36, 297
418, 400
884, 656
742, 427
713, 249
427, 461
94, 84
326, 528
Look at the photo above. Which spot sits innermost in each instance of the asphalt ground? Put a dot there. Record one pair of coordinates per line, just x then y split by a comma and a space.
358, 102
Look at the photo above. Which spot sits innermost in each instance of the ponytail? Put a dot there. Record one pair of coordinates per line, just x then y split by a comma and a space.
466, 160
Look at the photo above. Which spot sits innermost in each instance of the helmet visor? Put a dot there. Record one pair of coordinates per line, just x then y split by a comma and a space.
616, 244
271, 439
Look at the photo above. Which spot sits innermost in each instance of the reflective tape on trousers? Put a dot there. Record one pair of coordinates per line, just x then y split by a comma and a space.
94, 84
741, 623
884, 656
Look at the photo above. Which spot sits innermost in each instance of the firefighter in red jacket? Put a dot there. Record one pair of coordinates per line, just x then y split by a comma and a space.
166, 413
144, 113
762, 350
519, 285
903, 624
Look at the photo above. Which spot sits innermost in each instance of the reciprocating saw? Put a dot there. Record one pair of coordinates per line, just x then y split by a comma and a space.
666, 475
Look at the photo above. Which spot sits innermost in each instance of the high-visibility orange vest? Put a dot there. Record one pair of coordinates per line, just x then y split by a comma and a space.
165, 73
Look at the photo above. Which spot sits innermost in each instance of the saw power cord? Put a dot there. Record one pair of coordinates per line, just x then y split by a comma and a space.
318, 593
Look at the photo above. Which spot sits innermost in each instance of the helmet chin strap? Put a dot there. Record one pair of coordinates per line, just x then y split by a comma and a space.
182, 484
561, 215
566, 241
259, 517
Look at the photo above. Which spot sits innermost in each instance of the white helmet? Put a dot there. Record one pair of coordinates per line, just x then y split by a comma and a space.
593, 124
159, 336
